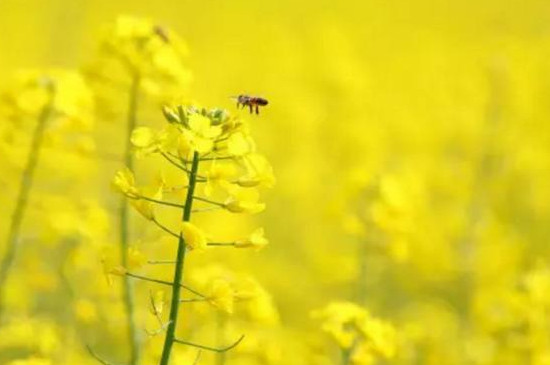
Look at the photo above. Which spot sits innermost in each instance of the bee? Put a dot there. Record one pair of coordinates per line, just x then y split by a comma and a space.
253, 102
161, 33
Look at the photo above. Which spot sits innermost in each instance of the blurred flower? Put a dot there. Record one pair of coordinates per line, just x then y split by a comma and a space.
221, 295
136, 258
136, 47
255, 240
86, 311
355, 330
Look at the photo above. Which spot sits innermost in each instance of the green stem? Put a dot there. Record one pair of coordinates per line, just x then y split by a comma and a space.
169, 157
124, 225
218, 204
346, 356
164, 282
208, 348
161, 262
178, 271
347, 353
161, 202
164, 228
223, 244
22, 199
193, 300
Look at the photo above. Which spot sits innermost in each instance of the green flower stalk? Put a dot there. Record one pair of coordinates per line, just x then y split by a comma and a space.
180, 260
222, 171
25, 186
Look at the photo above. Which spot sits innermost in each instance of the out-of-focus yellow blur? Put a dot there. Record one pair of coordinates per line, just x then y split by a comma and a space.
411, 145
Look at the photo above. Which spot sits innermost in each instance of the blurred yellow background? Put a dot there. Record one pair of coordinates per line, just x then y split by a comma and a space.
411, 146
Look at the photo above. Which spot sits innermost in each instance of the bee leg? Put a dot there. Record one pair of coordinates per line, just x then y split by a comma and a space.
250, 107
257, 109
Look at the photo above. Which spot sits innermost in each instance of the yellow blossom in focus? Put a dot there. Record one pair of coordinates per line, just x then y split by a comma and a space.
144, 206
218, 176
202, 132
194, 237
244, 201
240, 144
258, 172
124, 182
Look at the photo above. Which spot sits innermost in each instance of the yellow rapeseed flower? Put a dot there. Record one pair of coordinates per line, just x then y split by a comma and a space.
222, 295
124, 182
256, 240
240, 144
194, 237
258, 172
244, 201
202, 133
218, 176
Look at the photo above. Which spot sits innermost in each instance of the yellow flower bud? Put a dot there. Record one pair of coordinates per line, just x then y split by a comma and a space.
244, 207
170, 115
194, 238
157, 303
124, 182
255, 240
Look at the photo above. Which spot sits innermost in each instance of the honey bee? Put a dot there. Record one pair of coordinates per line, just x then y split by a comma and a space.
161, 33
253, 102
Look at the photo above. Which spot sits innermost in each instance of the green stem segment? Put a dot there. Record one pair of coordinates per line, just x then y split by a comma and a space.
178, 272
124, 224
346, 356
24, 190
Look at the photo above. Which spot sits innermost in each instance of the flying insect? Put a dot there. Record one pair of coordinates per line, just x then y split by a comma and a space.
252, 102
